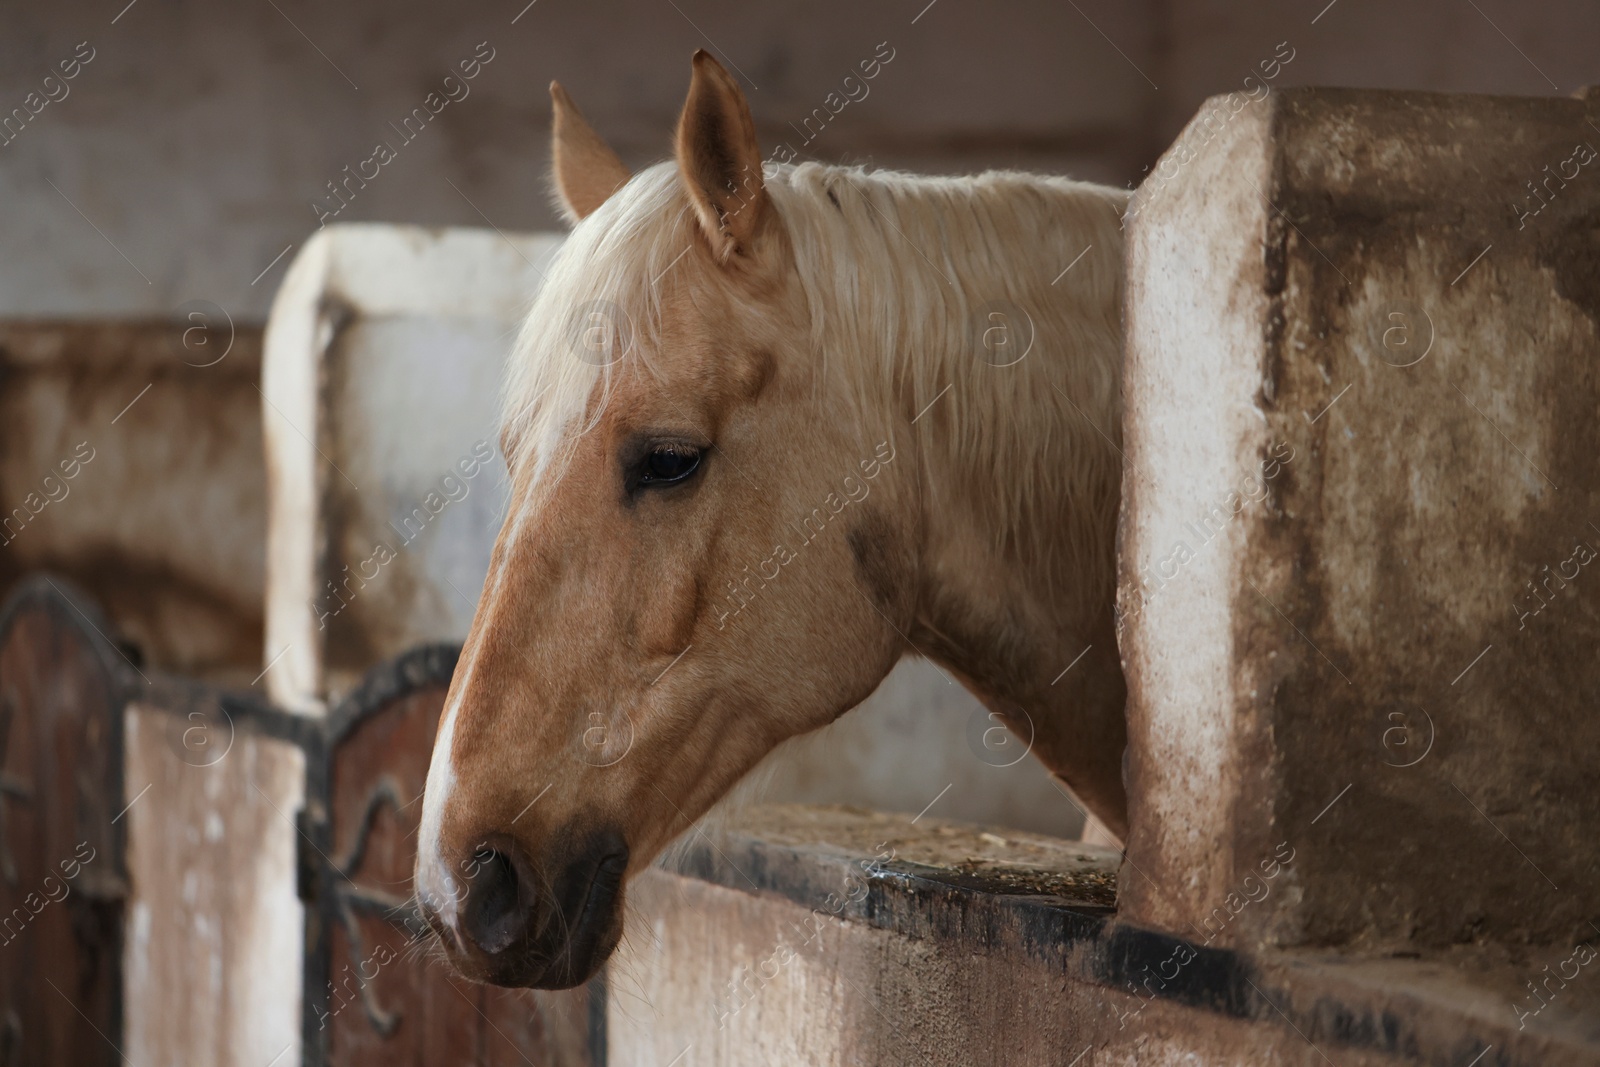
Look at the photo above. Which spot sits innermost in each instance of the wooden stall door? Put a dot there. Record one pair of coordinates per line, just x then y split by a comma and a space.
62, 884
380, 994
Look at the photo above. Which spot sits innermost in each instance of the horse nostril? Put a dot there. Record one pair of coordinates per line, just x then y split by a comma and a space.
495, 915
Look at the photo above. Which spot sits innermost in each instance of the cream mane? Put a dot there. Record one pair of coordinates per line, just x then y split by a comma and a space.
898, 271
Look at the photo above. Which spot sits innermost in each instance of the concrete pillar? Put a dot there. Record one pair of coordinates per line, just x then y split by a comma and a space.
1358, 611
380, 382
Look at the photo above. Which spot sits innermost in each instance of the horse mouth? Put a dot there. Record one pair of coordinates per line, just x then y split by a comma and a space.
594, 932
571, 940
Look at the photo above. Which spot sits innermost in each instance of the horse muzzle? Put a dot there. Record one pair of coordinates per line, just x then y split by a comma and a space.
516, 928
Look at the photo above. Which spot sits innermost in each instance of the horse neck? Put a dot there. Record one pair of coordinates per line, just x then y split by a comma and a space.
1016, 468
1017, 463
1018, 474
1011, 605
1028, 627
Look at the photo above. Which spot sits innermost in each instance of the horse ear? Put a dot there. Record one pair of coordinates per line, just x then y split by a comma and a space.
720, 161
584, 168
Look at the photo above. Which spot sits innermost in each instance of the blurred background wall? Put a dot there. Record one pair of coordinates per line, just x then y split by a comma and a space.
191, 154
198, 137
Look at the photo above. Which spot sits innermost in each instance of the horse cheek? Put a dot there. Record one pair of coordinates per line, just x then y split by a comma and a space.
670, 614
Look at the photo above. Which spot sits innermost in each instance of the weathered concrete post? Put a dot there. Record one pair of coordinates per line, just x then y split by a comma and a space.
1358, 610
380, 377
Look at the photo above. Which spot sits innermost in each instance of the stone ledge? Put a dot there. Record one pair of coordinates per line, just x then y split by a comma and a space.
1011, 932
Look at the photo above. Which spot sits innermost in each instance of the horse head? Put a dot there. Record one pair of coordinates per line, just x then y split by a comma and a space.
737, 501
696, 563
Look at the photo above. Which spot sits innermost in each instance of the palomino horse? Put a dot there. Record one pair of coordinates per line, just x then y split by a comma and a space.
764, 441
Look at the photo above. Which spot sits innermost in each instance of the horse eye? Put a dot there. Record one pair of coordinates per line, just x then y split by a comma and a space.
667, 464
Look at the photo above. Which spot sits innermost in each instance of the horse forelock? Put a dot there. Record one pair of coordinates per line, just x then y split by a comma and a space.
604, 277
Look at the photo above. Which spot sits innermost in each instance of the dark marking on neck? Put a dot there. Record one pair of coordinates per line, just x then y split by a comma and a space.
881, 561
